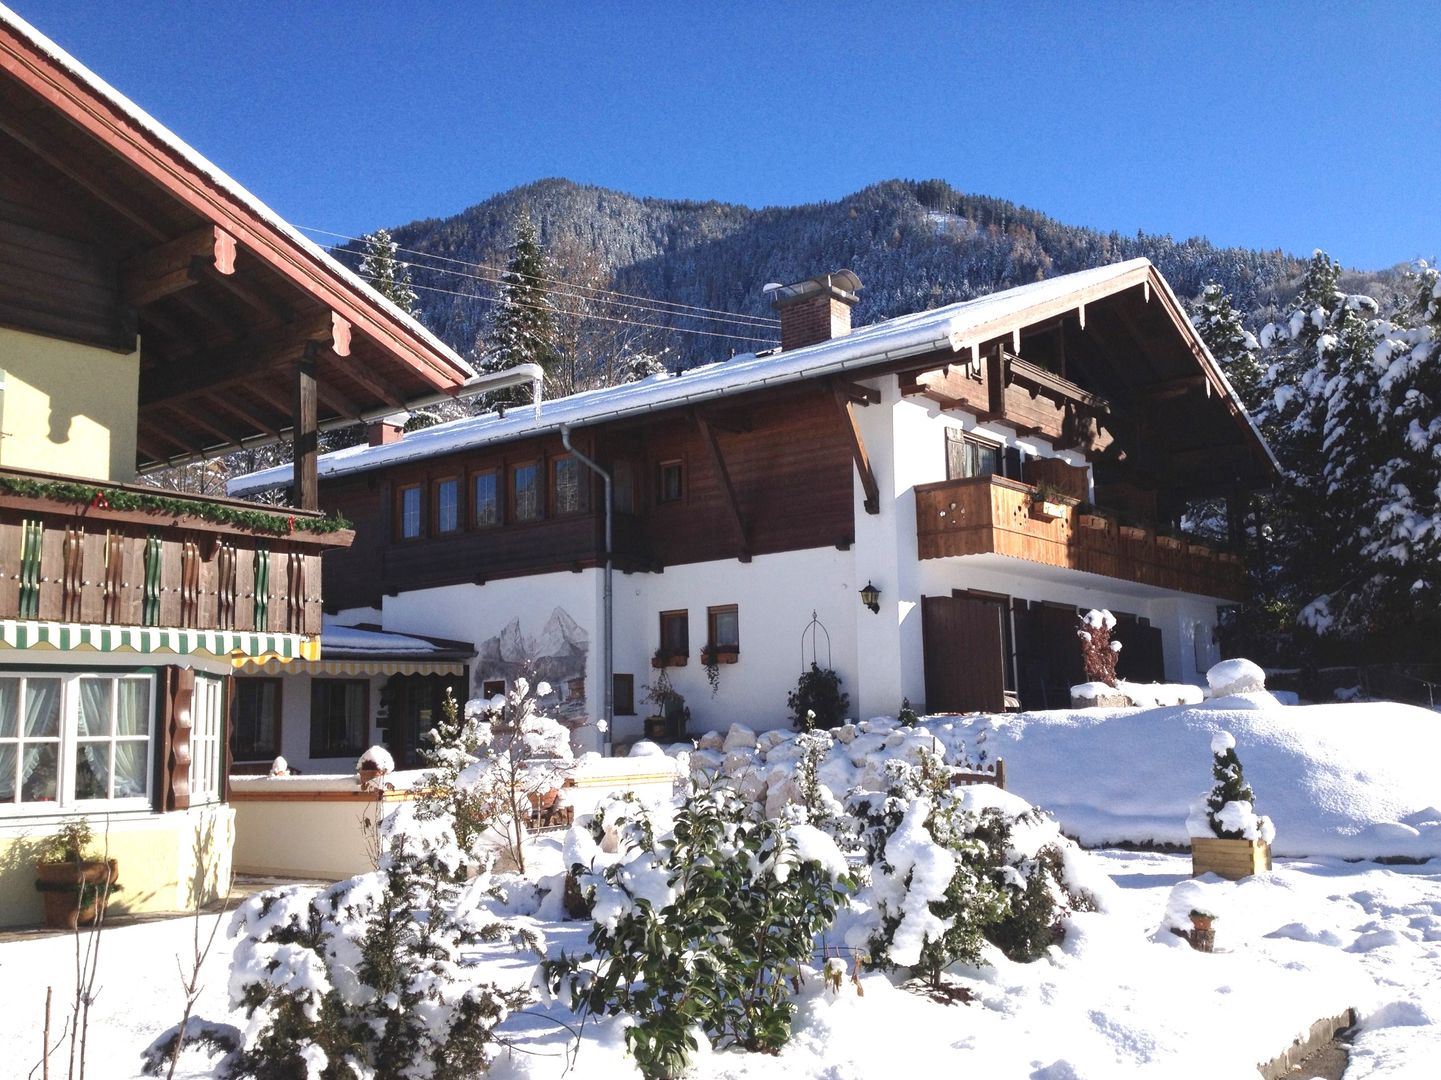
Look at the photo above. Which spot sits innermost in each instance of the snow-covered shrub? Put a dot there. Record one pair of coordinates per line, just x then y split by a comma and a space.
1238, 676
494, 767
1098, 651
952, 868
369, 977
702, 924
818, 701
928, 887
1230, 805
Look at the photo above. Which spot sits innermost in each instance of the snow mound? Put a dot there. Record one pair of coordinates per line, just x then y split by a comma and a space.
1334, 779
1238, 676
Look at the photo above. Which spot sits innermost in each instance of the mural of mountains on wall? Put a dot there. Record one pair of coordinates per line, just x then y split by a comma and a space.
914, 244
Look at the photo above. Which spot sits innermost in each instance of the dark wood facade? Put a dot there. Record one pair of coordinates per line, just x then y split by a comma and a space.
764, 473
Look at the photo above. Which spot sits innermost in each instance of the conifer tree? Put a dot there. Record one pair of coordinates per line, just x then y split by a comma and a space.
386, 274
1234, 347
524, 328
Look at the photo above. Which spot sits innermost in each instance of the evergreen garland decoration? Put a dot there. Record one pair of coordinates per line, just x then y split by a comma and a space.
107, 498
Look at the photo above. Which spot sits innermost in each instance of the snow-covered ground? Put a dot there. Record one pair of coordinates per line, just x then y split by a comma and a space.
1121, 998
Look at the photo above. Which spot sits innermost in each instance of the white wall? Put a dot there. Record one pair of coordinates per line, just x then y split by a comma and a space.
295, 725
774, 595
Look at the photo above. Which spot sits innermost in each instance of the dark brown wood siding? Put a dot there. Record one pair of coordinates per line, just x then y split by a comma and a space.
785, 453
55, 279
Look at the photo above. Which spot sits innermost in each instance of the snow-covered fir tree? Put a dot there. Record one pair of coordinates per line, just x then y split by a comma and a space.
1235, 348
523, 328
387, 274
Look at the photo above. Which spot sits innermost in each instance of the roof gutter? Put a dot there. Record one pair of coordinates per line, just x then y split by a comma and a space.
519, 375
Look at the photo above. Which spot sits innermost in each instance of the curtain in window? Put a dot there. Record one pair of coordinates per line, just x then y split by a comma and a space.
355, 714
9, 727
132, 719
40, 767
92, 758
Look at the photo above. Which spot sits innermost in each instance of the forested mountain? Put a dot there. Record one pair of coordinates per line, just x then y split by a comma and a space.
915, 244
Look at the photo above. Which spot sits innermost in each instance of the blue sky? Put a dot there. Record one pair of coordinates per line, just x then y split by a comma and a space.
1290, 126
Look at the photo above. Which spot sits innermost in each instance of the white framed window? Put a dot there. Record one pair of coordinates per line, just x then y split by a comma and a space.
76, 740
207, 727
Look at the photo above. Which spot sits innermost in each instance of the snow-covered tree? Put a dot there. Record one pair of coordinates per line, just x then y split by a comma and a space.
523, 330
1098, 651
1231, 804
1235, 348
386, 274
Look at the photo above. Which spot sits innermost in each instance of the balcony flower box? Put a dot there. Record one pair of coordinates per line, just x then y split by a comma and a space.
1094, 522
1200, 551
1170, 543
1134, 532
1047, 510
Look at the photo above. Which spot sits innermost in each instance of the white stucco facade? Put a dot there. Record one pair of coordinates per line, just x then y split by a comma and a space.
878, 656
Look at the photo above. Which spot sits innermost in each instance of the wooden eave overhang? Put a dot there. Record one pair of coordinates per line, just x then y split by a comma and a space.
226, 299
1147, 371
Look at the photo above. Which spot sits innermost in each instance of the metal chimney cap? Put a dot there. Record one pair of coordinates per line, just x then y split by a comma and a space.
839, 284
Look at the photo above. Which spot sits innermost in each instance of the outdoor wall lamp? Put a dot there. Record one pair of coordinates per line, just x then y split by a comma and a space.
871, 597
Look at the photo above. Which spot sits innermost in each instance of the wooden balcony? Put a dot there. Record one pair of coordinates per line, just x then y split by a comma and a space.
117, 555
992, 515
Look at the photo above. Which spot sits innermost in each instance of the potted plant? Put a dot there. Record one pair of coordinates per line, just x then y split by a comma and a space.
663, 659
711, 662
1088, 517
75, 882
1047, 503
1202, 937
372, 766
671, 715
1239, 843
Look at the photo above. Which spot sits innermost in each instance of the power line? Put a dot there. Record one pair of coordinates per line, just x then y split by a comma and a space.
598, 300
603, 318
736, 316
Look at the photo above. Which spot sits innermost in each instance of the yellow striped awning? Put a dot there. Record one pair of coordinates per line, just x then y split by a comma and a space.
351, 667
237, 646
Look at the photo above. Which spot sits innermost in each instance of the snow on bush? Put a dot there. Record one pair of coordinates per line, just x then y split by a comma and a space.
1098, 651
700, 924
1228, 810
1238, 676
377, 757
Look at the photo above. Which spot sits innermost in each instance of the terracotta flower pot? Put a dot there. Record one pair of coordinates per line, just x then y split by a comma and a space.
76, 893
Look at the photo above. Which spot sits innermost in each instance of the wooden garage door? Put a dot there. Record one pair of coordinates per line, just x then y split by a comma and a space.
963, 654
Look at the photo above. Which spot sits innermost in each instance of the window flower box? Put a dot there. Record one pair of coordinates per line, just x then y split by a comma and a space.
1047, 510
722, 655
669, 660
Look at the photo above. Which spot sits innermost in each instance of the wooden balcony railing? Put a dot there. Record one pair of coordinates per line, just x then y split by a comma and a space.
993, 515
83, 552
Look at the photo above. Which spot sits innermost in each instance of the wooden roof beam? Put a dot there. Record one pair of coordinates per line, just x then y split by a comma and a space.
237, 409
199, 419
160, 271
860, 395
847, 410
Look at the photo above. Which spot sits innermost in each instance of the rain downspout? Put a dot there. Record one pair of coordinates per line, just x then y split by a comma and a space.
607, 653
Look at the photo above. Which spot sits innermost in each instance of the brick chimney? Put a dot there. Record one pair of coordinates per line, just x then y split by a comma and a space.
387, 429
815, 310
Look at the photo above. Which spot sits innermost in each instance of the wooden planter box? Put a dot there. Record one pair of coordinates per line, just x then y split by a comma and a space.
723, 656
1200, 551
1094, 522
679, 660
60, 885
1047, 511
1231, 859
1170, 543
1134, 532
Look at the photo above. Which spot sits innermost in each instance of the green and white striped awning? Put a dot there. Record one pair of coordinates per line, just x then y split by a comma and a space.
350, 667
237, 646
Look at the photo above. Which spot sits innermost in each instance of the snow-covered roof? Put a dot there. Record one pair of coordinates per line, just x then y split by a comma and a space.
212, 172
955, 328
339, 642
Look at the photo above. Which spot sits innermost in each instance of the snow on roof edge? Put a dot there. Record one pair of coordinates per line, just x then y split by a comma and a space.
890, 338
225, 181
